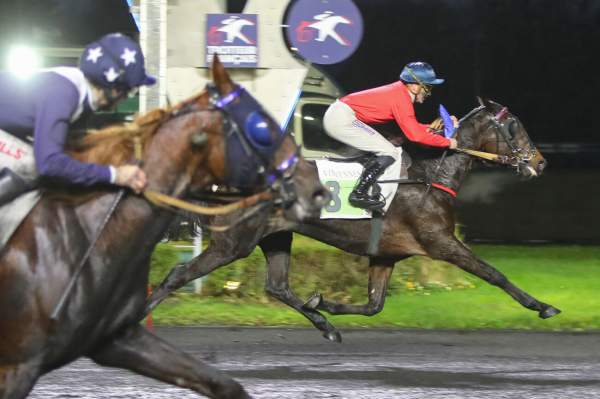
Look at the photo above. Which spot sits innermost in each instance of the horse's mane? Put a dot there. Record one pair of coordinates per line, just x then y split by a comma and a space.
114, 145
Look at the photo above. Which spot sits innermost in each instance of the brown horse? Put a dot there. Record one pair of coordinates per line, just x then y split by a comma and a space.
418, 222
182, 150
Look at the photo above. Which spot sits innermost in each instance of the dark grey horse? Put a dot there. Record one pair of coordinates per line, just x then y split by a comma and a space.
415, 224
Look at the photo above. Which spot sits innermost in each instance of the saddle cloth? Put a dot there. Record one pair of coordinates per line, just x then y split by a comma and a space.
341, 177
16, 155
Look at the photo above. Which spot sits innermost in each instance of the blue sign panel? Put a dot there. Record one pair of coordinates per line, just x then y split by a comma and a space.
234, 37
324, 31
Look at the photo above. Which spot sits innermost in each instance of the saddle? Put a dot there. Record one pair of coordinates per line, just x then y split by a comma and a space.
18, 180
394, 175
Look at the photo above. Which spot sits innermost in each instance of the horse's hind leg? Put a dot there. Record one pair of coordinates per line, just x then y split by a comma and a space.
17, 381
142, 352
276, 248
453, 251
380, 271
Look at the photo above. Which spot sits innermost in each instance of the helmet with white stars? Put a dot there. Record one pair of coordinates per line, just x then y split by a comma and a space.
115, 61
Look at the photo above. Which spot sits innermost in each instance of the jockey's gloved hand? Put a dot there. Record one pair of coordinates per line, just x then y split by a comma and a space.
453, 144
131, 176
454, 121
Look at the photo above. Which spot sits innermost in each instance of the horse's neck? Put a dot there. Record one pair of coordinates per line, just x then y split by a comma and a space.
450, 171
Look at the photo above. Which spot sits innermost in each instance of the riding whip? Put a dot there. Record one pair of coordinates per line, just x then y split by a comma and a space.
67, 292
449, 131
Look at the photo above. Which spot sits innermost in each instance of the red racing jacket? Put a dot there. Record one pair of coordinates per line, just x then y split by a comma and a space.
392, 103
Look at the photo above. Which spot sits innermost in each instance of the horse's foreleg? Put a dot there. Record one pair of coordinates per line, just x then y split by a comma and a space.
380, 271
453, 251
213, 258
17, 381
140, 351
276, 248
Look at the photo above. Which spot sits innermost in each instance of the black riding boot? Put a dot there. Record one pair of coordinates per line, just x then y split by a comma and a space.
360, 197
11, 186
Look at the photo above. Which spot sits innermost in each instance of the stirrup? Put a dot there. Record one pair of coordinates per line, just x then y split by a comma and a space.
365, 201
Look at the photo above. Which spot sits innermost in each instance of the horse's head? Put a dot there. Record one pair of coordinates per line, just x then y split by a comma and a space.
498, 131
254, 154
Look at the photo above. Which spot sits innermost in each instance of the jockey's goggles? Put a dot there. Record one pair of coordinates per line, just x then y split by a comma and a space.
426, 88
133, 92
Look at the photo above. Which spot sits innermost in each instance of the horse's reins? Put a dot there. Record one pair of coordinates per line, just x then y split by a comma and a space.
497, 158
164, 200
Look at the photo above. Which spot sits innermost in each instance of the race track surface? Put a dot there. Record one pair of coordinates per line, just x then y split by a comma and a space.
374, 364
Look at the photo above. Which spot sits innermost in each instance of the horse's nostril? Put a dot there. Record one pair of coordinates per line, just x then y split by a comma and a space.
542, 165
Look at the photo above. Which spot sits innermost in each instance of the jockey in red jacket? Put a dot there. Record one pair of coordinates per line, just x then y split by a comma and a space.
347, 121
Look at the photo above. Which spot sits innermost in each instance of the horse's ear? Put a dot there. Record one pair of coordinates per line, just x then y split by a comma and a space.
221, 77
485, 102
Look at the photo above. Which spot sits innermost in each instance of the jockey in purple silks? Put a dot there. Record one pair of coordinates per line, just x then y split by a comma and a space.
44, 106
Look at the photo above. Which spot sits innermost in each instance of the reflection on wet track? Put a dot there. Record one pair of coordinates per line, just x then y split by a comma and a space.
283, 363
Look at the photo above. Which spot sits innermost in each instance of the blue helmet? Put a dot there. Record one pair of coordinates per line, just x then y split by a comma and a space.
420, 73
115, 60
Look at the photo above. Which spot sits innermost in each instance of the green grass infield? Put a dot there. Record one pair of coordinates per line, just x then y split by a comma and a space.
567, 277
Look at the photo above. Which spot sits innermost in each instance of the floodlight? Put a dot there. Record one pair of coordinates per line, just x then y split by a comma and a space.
23, 61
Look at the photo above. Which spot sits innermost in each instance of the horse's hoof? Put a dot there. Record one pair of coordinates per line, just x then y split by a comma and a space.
548, 312
333, 336
313, 302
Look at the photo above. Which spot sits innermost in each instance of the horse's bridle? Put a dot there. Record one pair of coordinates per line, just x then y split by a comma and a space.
279, 177
503, 123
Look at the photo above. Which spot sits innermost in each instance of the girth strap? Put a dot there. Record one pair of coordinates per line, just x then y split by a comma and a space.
445, 189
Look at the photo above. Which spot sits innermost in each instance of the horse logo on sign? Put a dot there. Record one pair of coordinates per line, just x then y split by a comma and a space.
234, 38
326, 24
324, 32
232, 27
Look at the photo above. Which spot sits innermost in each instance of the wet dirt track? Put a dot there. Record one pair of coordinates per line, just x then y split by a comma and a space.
374, 364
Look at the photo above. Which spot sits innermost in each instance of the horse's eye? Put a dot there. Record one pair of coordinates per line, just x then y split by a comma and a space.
258, 128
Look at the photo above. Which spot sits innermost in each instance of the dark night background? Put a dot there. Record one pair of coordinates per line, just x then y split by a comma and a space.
536, 56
